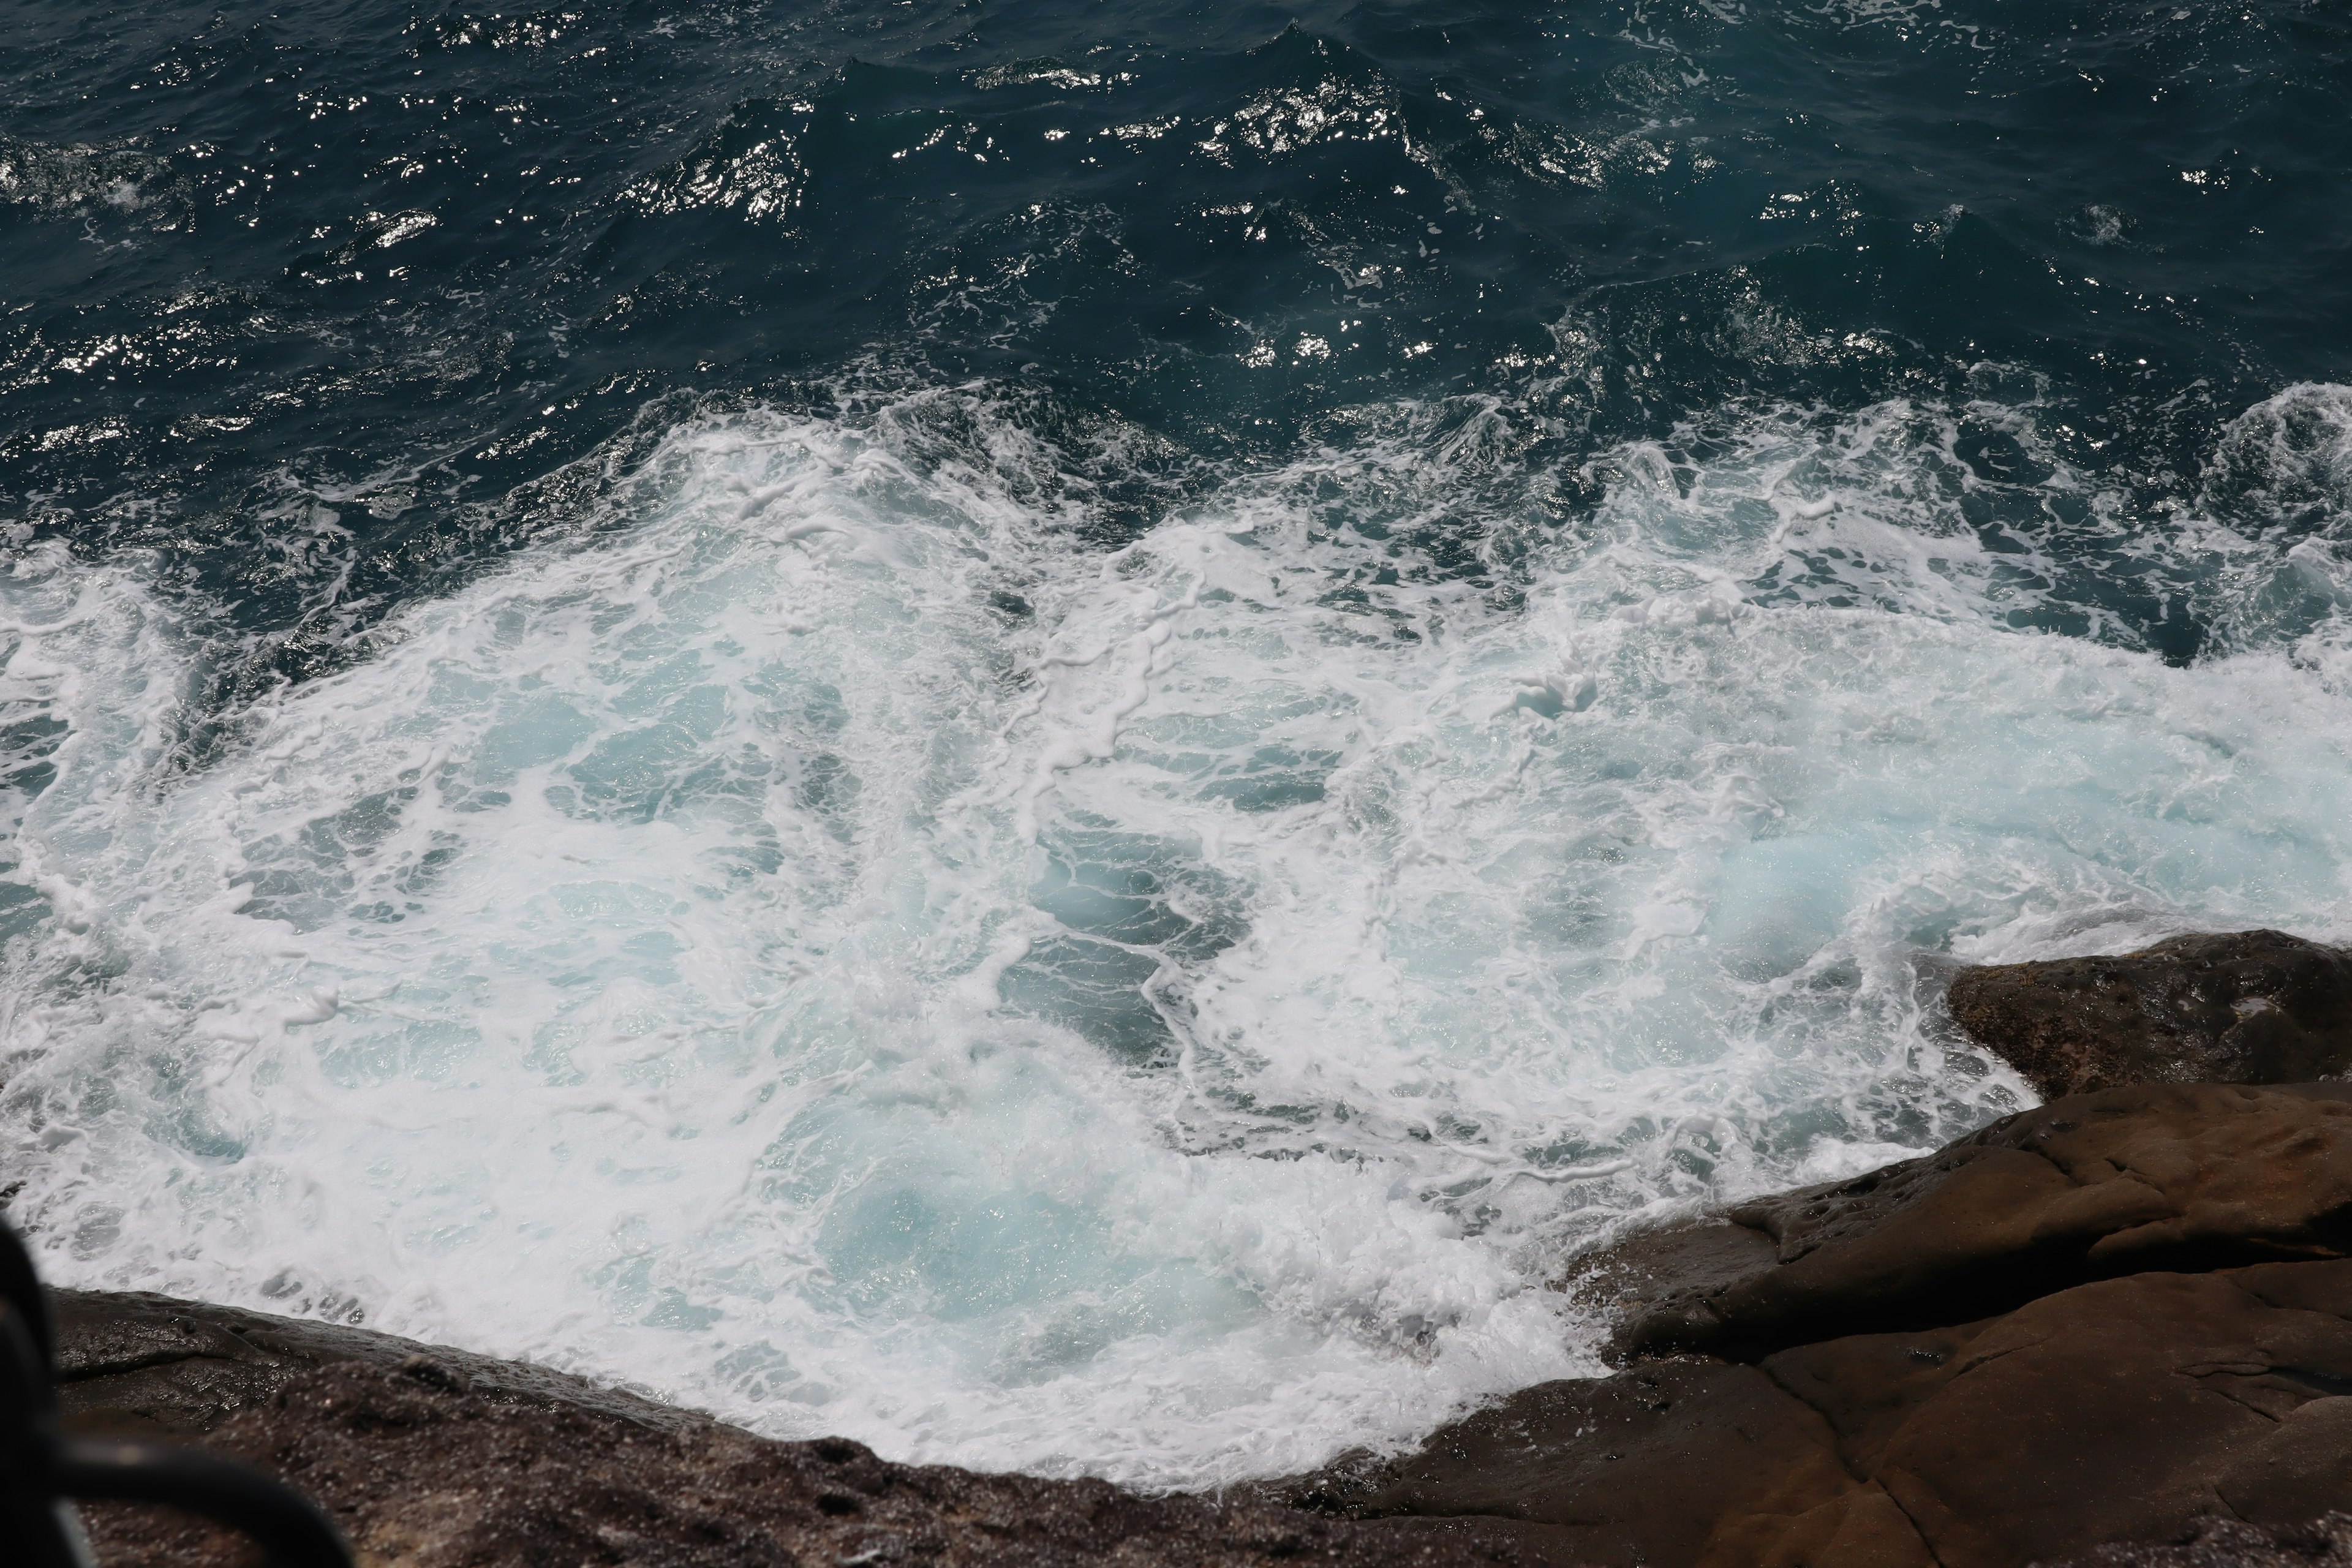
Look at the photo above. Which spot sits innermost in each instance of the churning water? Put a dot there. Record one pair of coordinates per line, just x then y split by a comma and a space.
1061, 751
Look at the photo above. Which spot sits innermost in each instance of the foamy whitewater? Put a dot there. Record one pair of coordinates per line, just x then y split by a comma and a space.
817, 943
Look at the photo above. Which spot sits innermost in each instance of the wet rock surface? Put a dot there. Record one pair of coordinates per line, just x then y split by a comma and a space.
2227, 1543
2122, 1316
2254, 1007
2132, 1408
1691, 1460
2156, 1176
138, 1365
428, 1456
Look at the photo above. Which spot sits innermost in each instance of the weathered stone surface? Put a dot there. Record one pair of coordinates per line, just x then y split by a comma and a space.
2257, 1007
422, 1474
2091, 1186
2125, 1409
2226, 1544
135, 1364
1685, 1461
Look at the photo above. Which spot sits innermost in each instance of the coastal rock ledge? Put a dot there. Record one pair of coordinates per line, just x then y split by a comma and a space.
2247, 1007
2114, 1332
2121, 1321
430, 1458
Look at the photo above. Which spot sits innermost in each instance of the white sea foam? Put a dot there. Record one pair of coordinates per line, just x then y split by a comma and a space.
827, 945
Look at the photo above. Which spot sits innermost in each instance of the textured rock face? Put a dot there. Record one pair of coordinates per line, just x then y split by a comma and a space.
2123, 1316
2257, 1007
136, 1365
1685, 1462
434, 1459
2155, 1177
2219, 1543
2130, 1408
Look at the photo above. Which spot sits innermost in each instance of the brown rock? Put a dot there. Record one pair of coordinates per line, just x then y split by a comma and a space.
2226, 1544
2257, 1007
2091, 1186
2126, 1409
422, 1476
1685, 1461
135, 1364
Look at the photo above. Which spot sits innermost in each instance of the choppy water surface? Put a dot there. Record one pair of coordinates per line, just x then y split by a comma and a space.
1055, 736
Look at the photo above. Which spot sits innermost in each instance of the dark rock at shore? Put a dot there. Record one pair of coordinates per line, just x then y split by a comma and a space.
2125, 1409
2156, 1176
2128, 1409
430, 1458
2226, 1544
1688, 1461
134, 1365
2257, 1007
421, 1473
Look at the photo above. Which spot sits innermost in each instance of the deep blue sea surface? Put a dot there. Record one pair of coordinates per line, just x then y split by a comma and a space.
1057, 733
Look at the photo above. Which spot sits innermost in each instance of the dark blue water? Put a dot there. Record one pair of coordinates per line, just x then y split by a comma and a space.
429, 269
1058, 732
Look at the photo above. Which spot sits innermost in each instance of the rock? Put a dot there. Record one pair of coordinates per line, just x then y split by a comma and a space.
133, 1364
2092, 1186
426, 1475
2131, 1408
1672, 1269
2226, 1544
2257, 1007
1681, 1462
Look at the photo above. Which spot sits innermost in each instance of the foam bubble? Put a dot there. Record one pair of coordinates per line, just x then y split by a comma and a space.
826, 945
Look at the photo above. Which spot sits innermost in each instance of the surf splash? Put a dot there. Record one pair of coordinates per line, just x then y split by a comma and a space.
819, 941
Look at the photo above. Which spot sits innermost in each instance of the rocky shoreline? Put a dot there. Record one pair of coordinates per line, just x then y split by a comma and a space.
433, 1457
2058, 1333
2114, 1330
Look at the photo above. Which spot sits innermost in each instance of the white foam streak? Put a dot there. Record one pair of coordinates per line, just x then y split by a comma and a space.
826, 945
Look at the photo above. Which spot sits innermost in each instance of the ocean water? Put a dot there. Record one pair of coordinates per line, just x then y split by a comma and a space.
1058, 734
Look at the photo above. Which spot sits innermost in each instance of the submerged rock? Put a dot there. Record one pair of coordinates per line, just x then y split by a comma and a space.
2255, 1007
2130, 1408
2154, 1176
